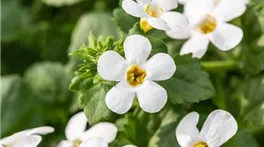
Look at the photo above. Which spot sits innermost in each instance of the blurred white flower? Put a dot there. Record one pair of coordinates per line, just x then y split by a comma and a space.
135, 76
155, 13
208, 23
76, 132
98, 142
215, 1
60, 3
26, 138
218, 128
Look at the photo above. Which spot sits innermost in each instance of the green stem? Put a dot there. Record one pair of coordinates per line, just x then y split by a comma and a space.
215, 66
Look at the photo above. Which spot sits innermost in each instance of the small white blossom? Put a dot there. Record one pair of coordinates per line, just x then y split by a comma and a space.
155, 13
208, 23
77, 134
218, 128
26, 138
135, 76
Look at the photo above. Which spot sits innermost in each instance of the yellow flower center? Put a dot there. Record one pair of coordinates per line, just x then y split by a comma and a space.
201, 144
77, 142
144, 25
135, 75
208, 25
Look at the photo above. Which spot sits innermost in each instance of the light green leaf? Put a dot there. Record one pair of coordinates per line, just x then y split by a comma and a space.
190, 83
97, 23
124, 20
60, 3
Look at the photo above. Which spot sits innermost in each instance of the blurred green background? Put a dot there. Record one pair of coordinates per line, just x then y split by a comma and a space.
37, 35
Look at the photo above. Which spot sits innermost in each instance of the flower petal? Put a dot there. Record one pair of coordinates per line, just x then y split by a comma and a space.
195, 10
40, 130
186, 131
133, 8
94, 142
180, 33
111, 66
151, 96
130, 145
160, 67
137, 48
106, 131
166, 5
219, 127
76, 126
66, 143
20, 139
226, 10
158, 23
144, 2
119, 100
175, 20
226, 36
197, 45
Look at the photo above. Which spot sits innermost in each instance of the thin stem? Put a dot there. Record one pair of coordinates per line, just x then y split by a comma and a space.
215, 66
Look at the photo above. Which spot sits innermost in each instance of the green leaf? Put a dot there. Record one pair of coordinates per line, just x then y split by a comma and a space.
252, 53
49, 82
97, 23
124, 20
158, 46
19, 109
136, 30
242, 138
15, 18
93, 102
190, 83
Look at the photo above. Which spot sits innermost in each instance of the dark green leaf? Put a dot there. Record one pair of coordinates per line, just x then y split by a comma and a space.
124, 20
190, 83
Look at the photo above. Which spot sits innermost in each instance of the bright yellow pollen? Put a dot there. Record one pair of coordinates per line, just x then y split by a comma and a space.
144, 25
135, 75
208, 25
201, 144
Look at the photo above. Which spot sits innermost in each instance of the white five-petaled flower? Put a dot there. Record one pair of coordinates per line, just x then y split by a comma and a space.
26, 138
208, 23
156, 14
136, 75
77, 136
218, 128
215, 1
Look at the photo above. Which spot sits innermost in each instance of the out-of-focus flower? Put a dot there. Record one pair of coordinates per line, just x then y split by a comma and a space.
76, 132
215, 1
218, 128
98, 142
136, 75
155, 13
208, 24
26, 138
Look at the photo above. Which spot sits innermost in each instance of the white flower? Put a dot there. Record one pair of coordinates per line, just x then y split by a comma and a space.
26, 138
76, 134
98, 142
215, 1
218, 128
135, 75
155, 13
208, 23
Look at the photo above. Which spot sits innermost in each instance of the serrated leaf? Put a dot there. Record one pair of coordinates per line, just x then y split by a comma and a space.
190, 83
93, 102
124, 20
